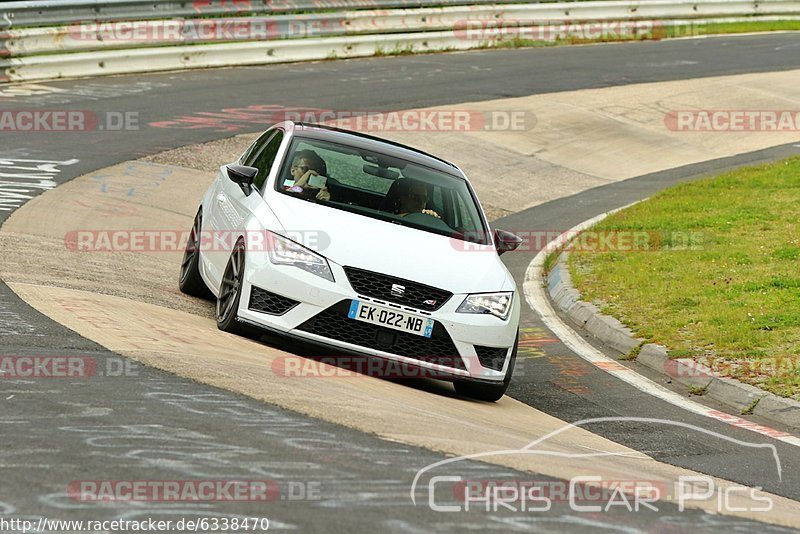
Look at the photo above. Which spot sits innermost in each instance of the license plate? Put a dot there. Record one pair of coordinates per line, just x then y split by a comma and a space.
395, 319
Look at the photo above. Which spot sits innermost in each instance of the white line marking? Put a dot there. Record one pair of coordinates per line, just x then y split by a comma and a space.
537, 299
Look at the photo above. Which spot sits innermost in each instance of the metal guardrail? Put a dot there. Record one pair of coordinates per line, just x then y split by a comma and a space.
92, 36
89, 48
51, 12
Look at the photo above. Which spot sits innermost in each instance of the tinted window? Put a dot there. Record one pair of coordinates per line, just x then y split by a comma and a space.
250, 154
264, 158
385, 187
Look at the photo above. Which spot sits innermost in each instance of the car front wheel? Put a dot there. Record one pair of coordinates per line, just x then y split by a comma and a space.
230, 291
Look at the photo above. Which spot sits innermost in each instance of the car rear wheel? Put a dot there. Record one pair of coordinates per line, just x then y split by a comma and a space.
190, 281
230, 291
488, 392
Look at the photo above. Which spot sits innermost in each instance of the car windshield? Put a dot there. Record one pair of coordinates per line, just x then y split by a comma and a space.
382, 187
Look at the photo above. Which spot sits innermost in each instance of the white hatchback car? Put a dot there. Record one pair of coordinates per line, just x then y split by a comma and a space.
361, 245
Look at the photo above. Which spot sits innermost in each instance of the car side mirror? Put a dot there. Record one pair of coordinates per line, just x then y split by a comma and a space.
243, 176
506, 241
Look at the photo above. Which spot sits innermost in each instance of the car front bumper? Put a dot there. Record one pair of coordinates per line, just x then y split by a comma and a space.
315, 311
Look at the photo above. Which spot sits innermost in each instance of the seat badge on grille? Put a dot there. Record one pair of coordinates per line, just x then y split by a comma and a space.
398, 290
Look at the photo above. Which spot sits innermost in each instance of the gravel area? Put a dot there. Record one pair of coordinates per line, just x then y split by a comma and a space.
206, 156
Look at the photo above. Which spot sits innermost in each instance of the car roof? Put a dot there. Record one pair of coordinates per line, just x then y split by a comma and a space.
376, 144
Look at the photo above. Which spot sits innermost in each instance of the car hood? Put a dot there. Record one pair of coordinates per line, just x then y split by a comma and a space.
353, 240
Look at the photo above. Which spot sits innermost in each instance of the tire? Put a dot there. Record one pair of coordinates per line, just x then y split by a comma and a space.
230, 292
190, 281
488, 392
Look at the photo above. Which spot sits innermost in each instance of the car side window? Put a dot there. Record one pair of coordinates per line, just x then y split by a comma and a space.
253, 150
264, 159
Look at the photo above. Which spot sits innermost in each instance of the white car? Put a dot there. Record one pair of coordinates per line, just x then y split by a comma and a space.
363, 246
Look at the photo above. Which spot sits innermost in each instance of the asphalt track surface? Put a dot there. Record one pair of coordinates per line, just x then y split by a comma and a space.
159, 426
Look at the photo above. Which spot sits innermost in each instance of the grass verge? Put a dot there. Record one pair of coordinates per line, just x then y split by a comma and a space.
714, 273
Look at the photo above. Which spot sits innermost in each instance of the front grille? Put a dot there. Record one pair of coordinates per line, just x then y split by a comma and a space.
263, 301
379, 286
491, 357
333, 323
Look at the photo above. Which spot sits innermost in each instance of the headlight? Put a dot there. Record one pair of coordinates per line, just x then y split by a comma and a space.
498, 304
285, 252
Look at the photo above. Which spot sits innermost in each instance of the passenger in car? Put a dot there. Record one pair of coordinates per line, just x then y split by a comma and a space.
412, 197
305, 164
